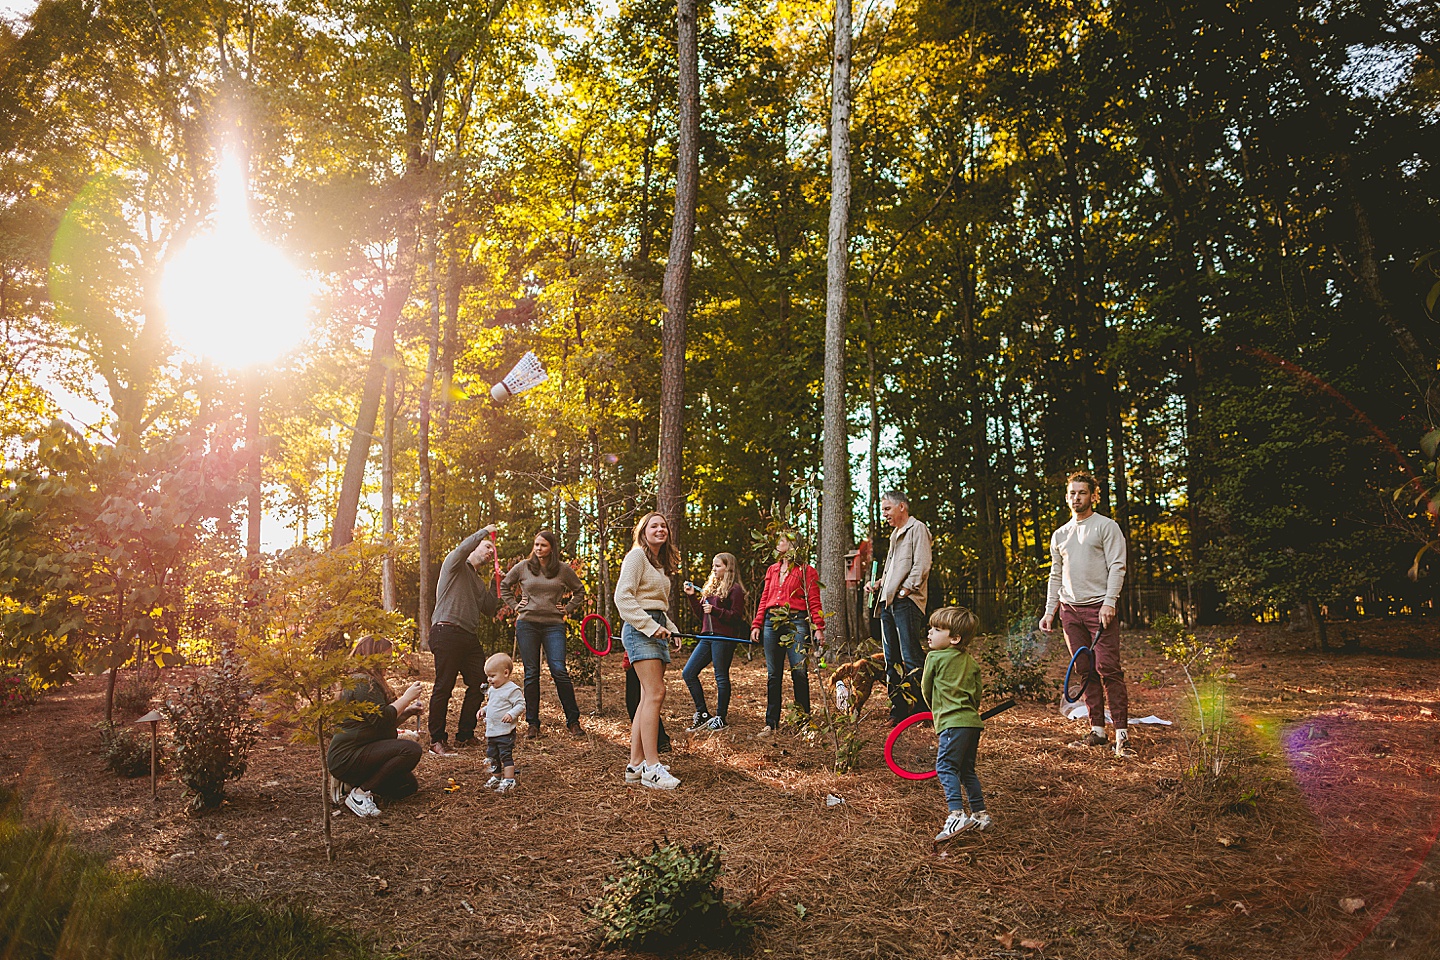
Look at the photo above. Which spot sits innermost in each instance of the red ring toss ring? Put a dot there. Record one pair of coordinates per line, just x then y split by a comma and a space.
584, 636
900, 728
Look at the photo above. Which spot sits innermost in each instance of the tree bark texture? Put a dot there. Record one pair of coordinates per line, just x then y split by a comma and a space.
675, 294
837, 528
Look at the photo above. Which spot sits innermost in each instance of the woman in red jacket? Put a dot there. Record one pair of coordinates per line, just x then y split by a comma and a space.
789, 608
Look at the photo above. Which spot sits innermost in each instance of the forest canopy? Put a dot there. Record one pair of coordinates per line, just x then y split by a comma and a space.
1187, 246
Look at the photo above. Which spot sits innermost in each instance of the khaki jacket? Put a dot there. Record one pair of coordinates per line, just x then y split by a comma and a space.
907, 564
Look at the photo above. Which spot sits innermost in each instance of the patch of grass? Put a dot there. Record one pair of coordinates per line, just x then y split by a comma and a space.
56, 901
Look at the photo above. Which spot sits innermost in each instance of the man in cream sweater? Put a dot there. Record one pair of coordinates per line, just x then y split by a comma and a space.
1087, 570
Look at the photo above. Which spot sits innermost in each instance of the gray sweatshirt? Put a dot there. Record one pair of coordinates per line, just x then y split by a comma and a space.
461, 596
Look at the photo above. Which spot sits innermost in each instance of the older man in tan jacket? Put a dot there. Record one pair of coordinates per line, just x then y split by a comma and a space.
903, 587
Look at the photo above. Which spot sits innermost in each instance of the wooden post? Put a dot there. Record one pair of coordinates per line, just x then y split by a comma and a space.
153, 718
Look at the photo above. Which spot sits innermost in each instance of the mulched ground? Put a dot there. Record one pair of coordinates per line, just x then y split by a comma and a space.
1335, 796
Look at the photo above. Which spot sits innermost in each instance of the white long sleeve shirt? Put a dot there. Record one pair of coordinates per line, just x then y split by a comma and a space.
1087, 563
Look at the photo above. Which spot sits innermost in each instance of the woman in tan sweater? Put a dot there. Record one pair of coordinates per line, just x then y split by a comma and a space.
547, 591
642, 598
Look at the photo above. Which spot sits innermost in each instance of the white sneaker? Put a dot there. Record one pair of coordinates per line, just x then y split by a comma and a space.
338, 789
978, 821
493, 782
714, 723
632, 774
361, 803
505, 786
953, 825
657, 777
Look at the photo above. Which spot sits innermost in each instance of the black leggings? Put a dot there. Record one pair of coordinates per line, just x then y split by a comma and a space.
383, 767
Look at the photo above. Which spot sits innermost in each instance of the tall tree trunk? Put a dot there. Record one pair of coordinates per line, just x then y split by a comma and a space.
388, 598
382, 350
675, 293
427, 395
838, 527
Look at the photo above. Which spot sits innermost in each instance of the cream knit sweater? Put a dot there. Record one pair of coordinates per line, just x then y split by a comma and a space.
642, 586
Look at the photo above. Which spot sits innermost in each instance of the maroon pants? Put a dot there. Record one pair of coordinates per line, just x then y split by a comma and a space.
1080, 624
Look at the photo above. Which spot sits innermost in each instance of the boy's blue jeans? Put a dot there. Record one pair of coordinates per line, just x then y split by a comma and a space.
902, 629
778, 648
955, 766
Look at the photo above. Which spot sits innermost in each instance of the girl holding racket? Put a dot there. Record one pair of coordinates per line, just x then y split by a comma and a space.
720, 605
542, 583
950, 683
789, 605
642, 597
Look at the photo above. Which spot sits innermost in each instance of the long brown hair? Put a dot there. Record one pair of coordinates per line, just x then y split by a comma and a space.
667, 558
550, 569
371, 646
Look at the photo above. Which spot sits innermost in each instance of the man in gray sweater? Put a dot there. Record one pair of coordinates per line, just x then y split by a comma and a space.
462, 597
1087, 571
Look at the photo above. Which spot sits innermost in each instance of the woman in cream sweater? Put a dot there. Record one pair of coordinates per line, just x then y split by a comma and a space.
642, 598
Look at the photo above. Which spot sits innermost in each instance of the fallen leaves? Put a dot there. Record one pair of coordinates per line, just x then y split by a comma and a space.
1008, 941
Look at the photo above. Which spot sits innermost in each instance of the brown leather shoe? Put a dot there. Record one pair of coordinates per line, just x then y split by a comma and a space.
532, 732
575, 729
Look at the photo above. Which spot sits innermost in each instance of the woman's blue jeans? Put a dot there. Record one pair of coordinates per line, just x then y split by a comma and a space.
778, 648
530, 637
706, 652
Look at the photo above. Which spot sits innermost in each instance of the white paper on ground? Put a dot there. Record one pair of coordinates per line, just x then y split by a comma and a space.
1150, 719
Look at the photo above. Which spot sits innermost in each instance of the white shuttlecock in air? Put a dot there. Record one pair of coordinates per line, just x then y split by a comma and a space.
528, 373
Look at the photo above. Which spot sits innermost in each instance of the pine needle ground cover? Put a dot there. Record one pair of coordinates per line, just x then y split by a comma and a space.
1318, 842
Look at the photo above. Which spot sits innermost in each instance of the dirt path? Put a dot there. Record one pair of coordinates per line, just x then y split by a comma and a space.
1336, 797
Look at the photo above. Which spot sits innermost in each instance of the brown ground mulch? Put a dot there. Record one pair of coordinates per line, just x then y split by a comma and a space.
1335, 796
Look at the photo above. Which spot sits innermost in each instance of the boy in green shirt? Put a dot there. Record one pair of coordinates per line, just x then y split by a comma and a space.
951, 685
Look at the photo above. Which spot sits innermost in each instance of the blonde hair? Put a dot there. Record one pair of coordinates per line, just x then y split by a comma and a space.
961, 623
720, 585
497, 660
667, 558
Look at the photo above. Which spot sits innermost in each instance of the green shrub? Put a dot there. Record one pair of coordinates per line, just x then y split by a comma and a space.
134, 693
1012, 667
213, 730
667, 897
56, 901
126, 751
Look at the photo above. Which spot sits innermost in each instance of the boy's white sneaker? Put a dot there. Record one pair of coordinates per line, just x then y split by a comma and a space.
361, 803
494, 781
953, 825
978, 821
657, 777
506, 785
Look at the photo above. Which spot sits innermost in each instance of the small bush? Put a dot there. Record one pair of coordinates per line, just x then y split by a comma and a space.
16, 691
1013, 668
134, 693
667, 897
213, 732
126, 751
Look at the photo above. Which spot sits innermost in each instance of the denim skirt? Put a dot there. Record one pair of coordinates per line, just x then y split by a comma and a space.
640, 647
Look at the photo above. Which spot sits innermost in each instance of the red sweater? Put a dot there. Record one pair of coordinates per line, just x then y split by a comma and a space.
799, 590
